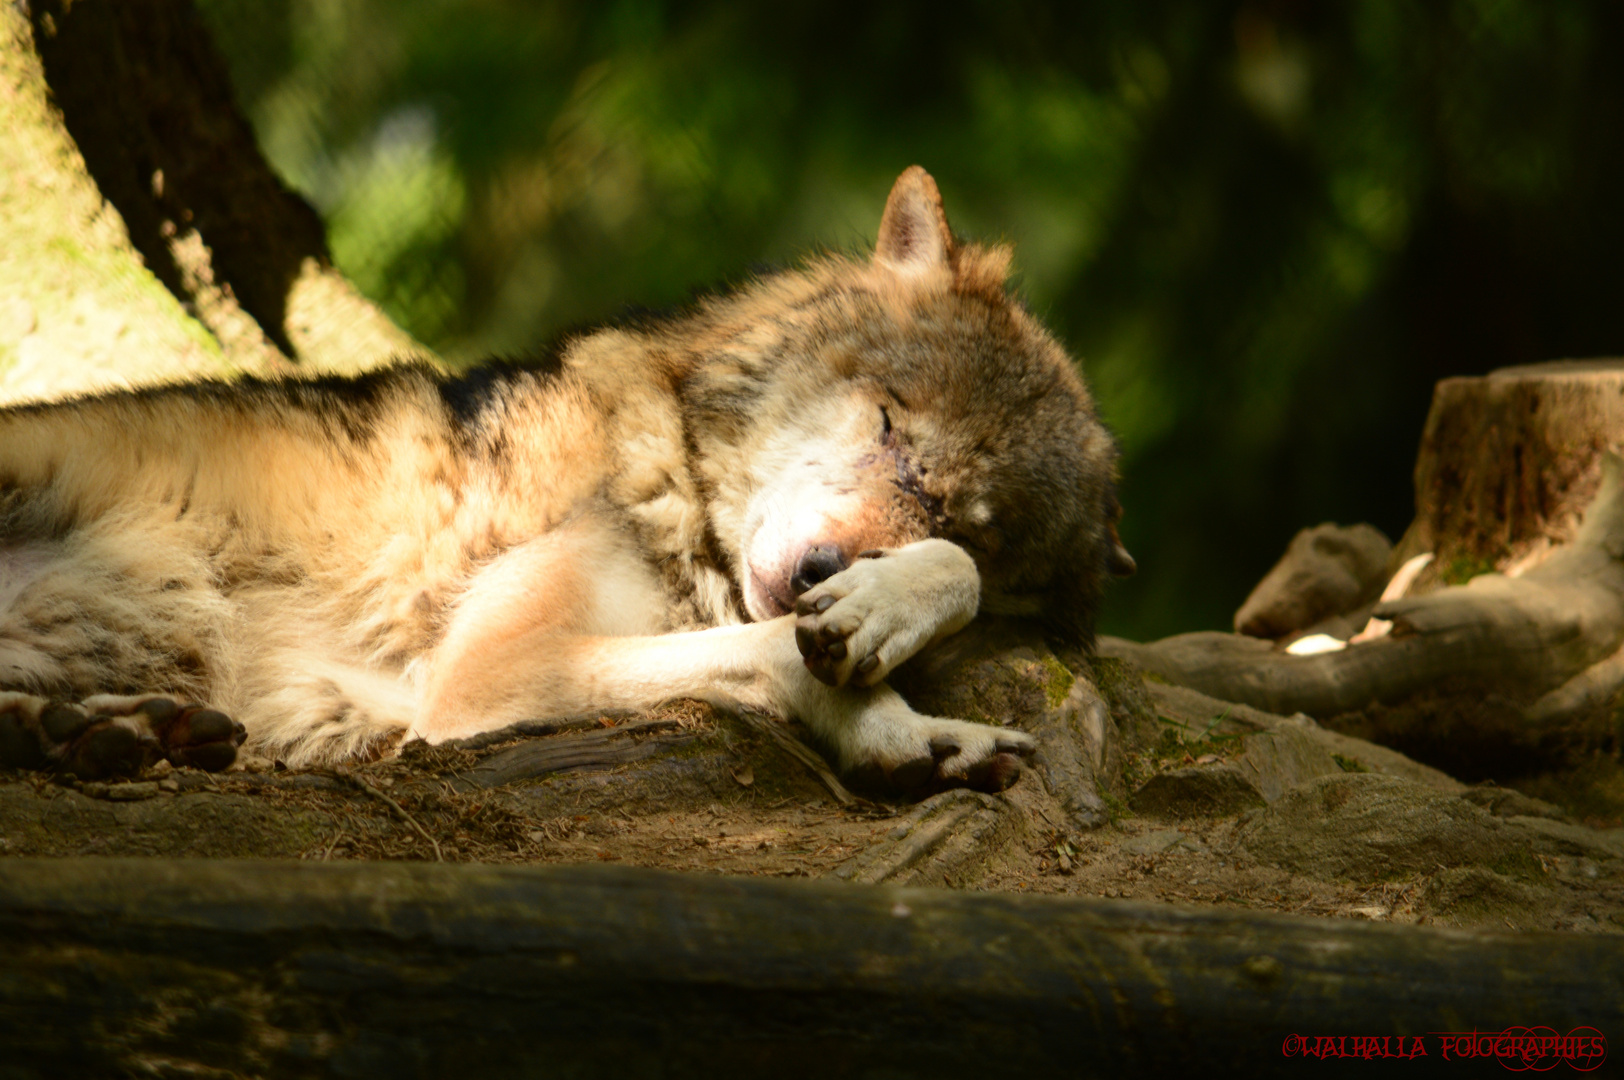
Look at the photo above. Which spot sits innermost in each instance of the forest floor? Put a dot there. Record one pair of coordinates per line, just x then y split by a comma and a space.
693, 789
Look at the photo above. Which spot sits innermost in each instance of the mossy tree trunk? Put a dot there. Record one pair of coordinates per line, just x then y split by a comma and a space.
144, 236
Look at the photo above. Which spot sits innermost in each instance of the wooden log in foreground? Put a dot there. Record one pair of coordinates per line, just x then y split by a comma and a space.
177, 967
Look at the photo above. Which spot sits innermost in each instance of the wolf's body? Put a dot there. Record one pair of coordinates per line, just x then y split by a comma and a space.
880, 446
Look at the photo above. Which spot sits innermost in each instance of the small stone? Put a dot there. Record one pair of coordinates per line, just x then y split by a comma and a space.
160, 770
1153, 843
169, 784
131, 792
95, 789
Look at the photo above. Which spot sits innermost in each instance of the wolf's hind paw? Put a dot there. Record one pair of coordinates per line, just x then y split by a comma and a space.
112, 735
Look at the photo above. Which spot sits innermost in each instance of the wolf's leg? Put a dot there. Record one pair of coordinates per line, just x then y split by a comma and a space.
113, 735
122, 603
859, 624
757, 665
561, 627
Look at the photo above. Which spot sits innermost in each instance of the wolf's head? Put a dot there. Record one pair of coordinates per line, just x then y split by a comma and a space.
859, 404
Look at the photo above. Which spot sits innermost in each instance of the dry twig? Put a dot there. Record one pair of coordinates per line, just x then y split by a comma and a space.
398, 810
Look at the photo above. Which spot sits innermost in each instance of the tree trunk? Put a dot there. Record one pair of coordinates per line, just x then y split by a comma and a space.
146, 239
275, 969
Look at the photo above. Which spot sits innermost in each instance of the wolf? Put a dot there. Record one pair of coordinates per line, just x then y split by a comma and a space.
771, 498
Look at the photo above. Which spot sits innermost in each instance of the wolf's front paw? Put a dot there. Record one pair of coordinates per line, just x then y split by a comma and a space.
111, 735
859, 624
952, 753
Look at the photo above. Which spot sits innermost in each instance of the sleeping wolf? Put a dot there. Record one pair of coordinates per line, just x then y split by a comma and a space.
773, 498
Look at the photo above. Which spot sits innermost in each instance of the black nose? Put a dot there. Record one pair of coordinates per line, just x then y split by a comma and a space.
820, 563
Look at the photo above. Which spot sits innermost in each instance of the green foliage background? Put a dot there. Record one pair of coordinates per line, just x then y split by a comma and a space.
1265, 229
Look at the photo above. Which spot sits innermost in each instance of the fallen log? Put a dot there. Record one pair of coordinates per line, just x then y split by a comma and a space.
172, 967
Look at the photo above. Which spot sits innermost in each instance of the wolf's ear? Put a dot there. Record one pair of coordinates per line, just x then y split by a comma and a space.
914, 236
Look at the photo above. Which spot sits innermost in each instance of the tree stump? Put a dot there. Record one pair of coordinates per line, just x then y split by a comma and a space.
1507, 465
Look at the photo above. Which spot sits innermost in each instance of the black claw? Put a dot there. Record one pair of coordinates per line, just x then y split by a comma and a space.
824, 604
1011, 746
868, 663
63, 722
19, 747
871, 553
943, 747
912, 775
836, 649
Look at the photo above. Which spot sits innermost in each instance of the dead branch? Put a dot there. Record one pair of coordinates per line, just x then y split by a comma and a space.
538, 757
1525, 635
798, 750
394, 807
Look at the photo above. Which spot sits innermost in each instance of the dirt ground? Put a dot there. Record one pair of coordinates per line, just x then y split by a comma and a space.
1208, 805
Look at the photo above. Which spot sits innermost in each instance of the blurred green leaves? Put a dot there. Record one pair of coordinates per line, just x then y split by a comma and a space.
1265, 228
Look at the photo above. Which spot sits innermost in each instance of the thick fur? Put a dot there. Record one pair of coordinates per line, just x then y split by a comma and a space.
343, 564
